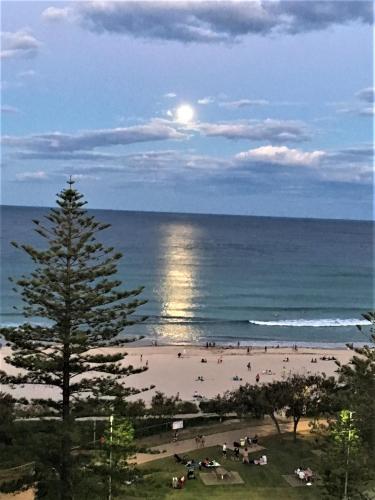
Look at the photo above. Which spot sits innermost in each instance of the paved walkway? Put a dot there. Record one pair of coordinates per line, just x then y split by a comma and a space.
181, 447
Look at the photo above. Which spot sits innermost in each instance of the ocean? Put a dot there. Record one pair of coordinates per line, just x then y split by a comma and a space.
226, 279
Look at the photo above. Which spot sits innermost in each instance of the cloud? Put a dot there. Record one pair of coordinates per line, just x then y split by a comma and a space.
243, 103
86, 177
29, 73
206, 100
213, 21
40, 175
267, 130
367, 95
9, 109
170, 95
57, 14
367, 111
281, 155
352, 165
56, 142
365, 108
273, 166
19, 44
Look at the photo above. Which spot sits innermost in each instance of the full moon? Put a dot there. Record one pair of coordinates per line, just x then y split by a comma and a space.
184, 113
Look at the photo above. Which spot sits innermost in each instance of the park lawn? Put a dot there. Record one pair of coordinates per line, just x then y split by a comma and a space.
261, 483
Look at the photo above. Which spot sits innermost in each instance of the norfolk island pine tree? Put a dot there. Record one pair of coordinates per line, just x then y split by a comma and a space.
74, 288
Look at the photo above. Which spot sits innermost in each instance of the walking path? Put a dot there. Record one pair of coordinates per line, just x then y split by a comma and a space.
181, 447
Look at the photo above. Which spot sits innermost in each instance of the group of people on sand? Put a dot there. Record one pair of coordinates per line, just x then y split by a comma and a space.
328, 358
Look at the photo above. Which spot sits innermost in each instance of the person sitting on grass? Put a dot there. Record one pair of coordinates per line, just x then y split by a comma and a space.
261, 461
254, 440
204, 463
191, 473
181, 482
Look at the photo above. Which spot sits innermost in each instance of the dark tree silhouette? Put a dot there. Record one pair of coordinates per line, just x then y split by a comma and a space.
72, 287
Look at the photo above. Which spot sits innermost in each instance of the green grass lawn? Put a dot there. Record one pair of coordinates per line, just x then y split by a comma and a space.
261, 483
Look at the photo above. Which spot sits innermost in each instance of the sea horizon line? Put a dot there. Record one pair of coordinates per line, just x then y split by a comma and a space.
210, 214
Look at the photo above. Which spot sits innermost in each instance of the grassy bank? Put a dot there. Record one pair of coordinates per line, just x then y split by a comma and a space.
260, 483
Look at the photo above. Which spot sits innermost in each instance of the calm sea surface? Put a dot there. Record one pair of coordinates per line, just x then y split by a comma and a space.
227, 278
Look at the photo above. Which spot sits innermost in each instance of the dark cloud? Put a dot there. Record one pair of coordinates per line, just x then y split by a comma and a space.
277, 131
367, 95
212, 21
243, 103
9, 109
262, 165
57, 142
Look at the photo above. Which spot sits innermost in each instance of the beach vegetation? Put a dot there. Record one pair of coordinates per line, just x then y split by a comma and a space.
220, 405
343, 466
308, 396
358, 388
268, 399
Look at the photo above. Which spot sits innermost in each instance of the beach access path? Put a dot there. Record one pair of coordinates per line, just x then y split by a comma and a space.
218, 439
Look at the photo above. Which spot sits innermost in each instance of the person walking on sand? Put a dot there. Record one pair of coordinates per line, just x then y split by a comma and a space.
147, 362
248, 366
141, 357
225, 450
257, 378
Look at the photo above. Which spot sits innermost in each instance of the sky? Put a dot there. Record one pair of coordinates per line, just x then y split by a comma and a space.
251, 108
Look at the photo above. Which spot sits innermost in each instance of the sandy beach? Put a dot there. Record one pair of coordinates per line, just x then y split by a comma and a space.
173, 375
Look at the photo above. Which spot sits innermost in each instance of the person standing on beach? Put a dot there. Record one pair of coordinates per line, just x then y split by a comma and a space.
257, 378
225, 450
248, 366
141, 357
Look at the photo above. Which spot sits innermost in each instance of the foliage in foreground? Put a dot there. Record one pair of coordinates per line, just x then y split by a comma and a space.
344, 468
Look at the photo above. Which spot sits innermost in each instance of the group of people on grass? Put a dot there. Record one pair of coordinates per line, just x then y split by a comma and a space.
244, 443
208, 463
304, 474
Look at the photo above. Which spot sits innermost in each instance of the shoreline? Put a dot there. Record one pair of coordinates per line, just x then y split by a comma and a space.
255, 345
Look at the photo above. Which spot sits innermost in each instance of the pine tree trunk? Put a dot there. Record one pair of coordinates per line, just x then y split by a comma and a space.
66, 445
66, 487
